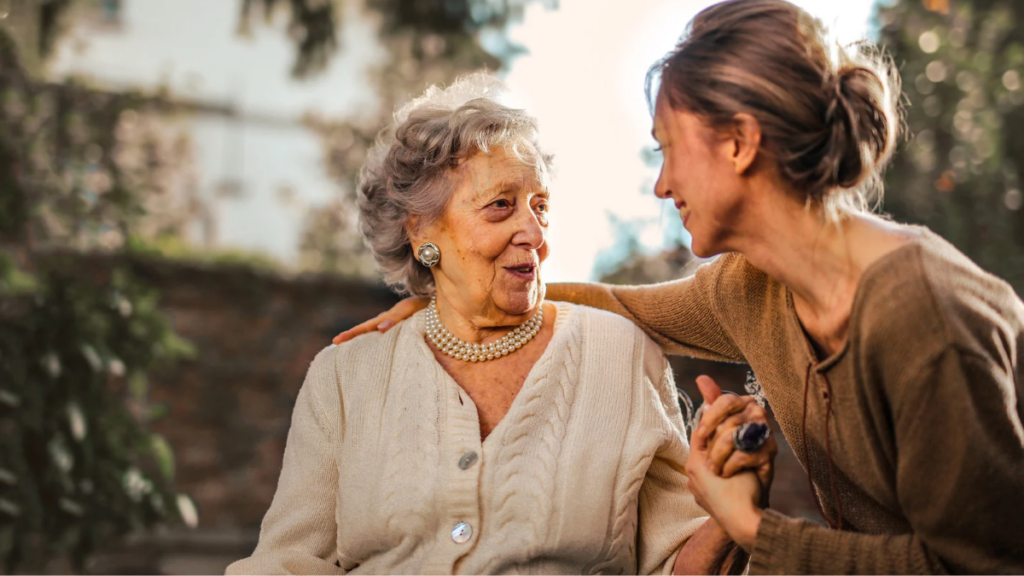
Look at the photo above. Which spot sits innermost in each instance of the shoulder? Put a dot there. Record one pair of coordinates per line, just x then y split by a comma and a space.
362, 360
375, 342
970, 300
927, 298
603, 329
930, 287
745, 299
375, 351
614, 338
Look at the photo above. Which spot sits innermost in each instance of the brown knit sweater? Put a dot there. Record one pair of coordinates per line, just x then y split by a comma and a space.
927, 400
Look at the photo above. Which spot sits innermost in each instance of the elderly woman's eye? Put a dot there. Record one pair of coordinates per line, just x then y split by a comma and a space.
501, 203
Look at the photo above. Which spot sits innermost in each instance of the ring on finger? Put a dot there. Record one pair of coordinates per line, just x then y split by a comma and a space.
750, 436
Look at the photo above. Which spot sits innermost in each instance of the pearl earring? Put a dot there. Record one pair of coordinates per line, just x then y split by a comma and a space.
429, 254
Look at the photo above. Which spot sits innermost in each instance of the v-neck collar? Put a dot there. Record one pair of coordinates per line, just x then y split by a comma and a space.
557, 345
855, 309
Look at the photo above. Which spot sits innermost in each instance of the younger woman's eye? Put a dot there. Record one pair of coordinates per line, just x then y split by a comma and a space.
658, 149
542, 208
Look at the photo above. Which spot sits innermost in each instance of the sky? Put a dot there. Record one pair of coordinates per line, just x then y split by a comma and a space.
584, 81
582, 77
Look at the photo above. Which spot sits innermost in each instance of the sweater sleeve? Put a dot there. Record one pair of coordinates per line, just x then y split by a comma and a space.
667, 512
299, 532
680, 315
958, 479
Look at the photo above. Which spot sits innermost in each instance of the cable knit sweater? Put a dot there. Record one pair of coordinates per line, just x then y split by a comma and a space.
384, 460
926, 400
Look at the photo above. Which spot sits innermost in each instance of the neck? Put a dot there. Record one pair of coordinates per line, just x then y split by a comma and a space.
812, 256
821, 261
478, 327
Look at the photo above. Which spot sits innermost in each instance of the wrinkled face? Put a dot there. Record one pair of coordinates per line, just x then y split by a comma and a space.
492, 238
698, 176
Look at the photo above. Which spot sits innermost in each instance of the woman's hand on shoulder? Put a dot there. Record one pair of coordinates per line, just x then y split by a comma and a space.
385, 320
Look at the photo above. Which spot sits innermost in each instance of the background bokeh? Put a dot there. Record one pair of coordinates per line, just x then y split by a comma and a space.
177, 236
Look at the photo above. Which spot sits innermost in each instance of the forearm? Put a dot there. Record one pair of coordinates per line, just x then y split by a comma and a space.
710, 551
587, 294
677, 315
791, 546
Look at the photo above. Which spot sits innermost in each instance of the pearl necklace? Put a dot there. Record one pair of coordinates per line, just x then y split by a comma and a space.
461, 350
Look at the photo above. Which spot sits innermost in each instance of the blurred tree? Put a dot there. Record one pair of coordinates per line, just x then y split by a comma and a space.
77, 460
449, 28
961, 169
313, 27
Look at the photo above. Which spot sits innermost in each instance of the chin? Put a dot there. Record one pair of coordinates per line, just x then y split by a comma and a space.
520, 301
699, 251
703, 249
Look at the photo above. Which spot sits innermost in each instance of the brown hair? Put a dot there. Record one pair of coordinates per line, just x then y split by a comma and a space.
829, 118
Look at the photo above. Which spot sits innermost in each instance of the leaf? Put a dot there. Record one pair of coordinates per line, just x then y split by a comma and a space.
164, 455
138, 386
156, 412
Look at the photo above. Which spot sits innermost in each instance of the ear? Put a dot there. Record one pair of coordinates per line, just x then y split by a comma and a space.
413, 231
746, 140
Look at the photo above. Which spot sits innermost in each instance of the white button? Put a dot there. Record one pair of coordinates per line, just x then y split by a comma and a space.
467, 460
462, 533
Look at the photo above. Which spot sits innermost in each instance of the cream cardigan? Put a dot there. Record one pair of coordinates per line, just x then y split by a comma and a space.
384, 460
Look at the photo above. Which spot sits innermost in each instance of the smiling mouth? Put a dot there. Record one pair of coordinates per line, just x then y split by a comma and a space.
524, 271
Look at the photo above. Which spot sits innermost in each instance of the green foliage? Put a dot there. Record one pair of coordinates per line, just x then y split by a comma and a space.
175, 248
960, 172
77, 462
66, 178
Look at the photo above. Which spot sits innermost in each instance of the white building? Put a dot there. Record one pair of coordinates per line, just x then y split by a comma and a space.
258, 167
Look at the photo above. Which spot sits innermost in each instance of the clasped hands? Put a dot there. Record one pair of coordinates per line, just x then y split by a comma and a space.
731, 485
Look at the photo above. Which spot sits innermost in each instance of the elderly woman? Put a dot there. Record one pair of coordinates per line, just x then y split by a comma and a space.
494, 432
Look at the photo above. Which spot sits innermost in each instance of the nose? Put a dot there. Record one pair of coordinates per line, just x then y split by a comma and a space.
530, 231
661, 189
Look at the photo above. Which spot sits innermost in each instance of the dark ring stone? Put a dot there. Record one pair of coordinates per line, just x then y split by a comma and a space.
750, 436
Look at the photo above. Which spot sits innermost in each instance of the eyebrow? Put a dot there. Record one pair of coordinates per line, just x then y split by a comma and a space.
511, 185
506, 185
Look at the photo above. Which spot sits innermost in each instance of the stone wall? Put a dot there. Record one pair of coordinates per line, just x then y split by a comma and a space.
229, 408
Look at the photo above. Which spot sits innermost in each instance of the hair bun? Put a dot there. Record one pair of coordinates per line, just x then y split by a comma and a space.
860, 135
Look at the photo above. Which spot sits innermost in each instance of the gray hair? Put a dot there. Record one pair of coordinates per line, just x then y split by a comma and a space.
408, 170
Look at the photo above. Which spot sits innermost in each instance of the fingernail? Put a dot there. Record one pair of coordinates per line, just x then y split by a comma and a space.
383, 326
701, 430
336, 340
